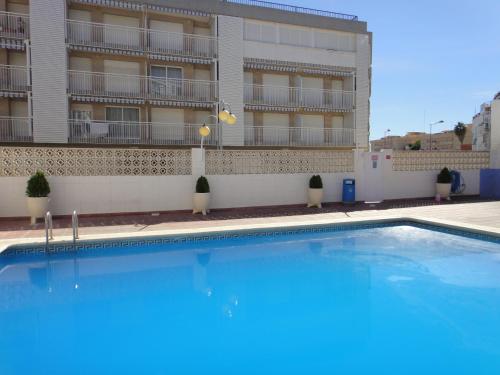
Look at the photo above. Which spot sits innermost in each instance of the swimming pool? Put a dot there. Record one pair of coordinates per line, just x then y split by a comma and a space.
396, 298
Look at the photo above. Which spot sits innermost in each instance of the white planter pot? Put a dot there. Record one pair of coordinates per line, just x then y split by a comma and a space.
37, 207
315, 196
443, 190
201, 202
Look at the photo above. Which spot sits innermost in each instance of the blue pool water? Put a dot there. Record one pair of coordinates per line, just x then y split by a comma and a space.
391, 300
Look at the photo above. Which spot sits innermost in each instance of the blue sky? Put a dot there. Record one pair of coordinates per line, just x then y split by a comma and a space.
441, 58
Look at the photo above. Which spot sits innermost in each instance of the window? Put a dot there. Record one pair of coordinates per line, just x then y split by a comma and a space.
123, 122
166, 81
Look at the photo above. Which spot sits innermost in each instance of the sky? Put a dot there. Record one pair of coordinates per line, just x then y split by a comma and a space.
432, 60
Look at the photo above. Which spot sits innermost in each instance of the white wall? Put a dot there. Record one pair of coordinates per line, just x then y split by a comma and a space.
49, 71
231, 75
495, 134
270, 189
101, 194
270, 51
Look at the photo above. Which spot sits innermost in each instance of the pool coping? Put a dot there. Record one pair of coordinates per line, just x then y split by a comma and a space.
252, 228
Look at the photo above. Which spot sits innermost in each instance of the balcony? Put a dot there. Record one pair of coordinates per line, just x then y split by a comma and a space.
13, 81
14, 26
138, 41
271, 136
296, 97
110, 85
141, 133
16, 129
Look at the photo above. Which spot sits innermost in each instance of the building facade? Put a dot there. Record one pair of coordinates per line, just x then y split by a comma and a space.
150, 72
445, 140
481, 128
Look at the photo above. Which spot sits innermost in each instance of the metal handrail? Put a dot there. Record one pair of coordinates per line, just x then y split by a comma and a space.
74, 225
48, 228
294, 9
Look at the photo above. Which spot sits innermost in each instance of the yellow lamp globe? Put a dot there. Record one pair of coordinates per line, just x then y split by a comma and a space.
224, 115
204, 131
231, 120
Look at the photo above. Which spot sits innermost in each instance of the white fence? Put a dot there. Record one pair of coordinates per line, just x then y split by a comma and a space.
13, 78
298, 97
16, 129
14, 25
144, 133
135, 86
140, 40
298, 136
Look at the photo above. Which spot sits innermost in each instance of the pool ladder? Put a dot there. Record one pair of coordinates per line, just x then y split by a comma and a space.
74, 225
49, 228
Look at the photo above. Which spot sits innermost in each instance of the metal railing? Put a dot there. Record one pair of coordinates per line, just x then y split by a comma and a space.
14, 25
16, 129
132, 86
298, 136
293, 8
136, 39
13, 78
143, 133
298, 97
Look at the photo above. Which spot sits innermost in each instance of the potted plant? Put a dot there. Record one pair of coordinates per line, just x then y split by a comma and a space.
460, 131
443, 185
37, 192
201, 198
315, 192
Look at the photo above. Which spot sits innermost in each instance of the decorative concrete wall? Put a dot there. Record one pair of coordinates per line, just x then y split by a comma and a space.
24, 161
278, 162
114, 180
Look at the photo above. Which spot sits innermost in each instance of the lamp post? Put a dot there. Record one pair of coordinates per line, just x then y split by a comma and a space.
430, 132
226, 116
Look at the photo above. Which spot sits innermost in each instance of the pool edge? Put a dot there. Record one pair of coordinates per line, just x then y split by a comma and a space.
249, 228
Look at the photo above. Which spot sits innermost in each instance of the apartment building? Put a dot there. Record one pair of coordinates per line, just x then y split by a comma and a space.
150, 72
481, 128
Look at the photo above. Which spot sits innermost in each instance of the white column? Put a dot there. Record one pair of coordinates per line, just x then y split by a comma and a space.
230, 34
495, 134
362, 115
49, 71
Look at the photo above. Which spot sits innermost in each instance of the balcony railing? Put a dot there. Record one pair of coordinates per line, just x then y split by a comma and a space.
16, 129
14, 25
13, 78
140, 40
284, 96
144, 133
294, 9
298, 136
144, 87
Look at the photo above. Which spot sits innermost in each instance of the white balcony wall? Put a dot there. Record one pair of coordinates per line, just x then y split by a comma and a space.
312, 95
129, 85
83, 64
162, 117
363, 63
338, 85
19, 108
338, 122
248, 78
126, 38
201, 74
201, 117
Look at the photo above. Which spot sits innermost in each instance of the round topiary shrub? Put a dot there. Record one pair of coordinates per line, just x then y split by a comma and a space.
315, 182
444, 177
38, 186
202, 185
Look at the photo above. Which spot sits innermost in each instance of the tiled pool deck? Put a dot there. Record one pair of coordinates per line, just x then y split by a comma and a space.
465, 211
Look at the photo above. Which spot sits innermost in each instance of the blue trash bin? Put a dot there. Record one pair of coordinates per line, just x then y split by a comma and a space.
349, 190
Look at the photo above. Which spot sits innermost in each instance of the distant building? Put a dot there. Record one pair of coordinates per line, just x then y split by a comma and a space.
445, 140
481, 128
